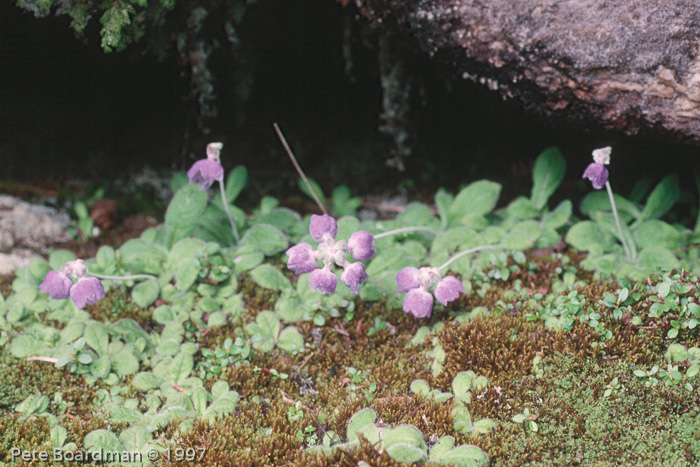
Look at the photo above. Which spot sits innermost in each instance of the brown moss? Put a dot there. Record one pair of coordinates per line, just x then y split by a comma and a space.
24, 434
22, 378
501, 347
117, 305
6, 284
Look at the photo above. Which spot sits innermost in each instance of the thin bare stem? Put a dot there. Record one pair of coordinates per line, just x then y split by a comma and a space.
123, 278
617, 220
228, 212
405, 229
43, 359
466, 252
296, 166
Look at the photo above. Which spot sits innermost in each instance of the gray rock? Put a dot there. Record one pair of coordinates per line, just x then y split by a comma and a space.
26, 230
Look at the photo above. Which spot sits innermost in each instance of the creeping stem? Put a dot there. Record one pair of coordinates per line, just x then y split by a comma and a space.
123, 278
405, 229
617, 220
228, 211
465, 252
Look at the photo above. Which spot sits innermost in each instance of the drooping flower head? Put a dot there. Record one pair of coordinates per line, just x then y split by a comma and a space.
59, 285
418, 301
596, 172
207, 171
303, 258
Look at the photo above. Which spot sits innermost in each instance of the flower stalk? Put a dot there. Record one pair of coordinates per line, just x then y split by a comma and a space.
617, 220
228, 212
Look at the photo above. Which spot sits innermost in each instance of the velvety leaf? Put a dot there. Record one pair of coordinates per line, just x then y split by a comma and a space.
58, 436
269, 277
405, 453
559, 216
290, 340
651, 258
146, 381
420, 387
443, 445
600, 201
403, 434
523, 235
465, 456
236, 182
359, 421
145, 293
135, 437
522, 208
462, 382
181, 367
443, 200
656, 233
662, 198
125, 363
102, 440
247, 257
547, 175
477, 199
183, 213
585, 235
60, 257
97, 337
139, 256
266, 238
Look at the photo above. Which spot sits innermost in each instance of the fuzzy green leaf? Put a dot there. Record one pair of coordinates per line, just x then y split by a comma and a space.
145, 293
269, 277
547, 175
475, 200
183, 213
662, 198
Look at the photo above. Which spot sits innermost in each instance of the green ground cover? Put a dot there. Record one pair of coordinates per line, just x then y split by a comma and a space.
564, 348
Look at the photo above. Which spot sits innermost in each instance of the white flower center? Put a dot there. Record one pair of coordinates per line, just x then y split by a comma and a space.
330, 251
602, 155
428, 276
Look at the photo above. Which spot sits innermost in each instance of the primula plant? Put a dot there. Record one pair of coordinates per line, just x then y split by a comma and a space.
86, 291
303, 258
195, 331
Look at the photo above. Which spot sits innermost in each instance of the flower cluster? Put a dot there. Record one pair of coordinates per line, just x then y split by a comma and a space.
303, 258
416, 282
59, 285
596, 171
207, 171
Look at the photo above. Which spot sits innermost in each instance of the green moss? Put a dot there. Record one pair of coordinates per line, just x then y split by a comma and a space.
578, 425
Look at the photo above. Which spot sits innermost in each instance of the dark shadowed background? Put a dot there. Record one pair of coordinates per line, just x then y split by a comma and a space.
69, 110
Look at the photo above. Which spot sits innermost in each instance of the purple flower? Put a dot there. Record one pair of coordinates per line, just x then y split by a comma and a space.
323, 227
419, 302
323, 280
361, 245
407, 279
205, 172
301, 258
597, 174
57, 284
353, 276
87, 291
417, 281
448, 289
